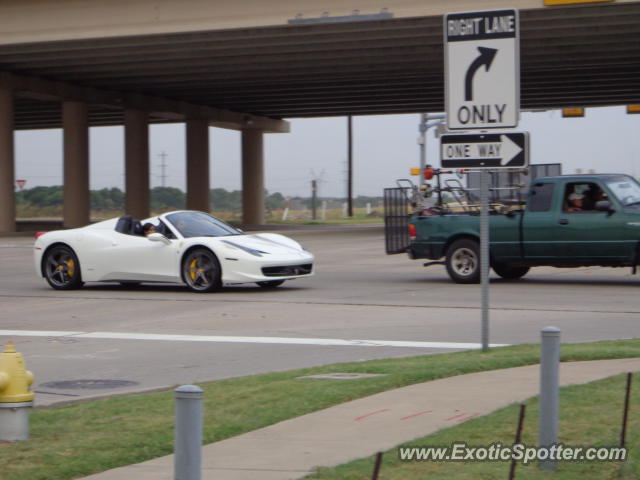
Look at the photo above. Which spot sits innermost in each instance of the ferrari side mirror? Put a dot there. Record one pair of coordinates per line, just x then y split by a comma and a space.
158, 237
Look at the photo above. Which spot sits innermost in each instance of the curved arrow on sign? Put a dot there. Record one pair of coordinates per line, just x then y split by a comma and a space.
485, 58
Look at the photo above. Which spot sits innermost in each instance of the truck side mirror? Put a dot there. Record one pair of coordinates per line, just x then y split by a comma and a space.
605, 206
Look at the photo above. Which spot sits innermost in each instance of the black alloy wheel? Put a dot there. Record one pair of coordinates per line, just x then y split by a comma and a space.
62, 268
201, 271
509, 272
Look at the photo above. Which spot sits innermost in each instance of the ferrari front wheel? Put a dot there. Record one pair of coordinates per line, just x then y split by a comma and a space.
201, 271
62, 268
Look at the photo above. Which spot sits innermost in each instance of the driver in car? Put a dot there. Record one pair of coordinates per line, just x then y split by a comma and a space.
148, 228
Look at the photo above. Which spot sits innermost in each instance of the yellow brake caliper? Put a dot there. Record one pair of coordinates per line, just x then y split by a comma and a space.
193, 269
71, 267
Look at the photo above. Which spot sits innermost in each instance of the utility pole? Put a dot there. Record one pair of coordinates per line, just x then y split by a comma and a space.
315, 180
350, 166
314, 198
163, 165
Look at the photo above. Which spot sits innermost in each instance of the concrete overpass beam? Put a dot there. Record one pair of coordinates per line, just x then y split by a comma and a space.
77, 201
7, 163
252, 177
136, 140
198, 164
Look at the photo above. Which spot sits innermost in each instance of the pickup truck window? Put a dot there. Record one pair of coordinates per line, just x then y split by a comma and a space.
626, 189
582, 197
541, 196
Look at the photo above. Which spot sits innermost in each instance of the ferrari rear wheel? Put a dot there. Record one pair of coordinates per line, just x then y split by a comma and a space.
201, 271
271, 283
62, 268
509, 272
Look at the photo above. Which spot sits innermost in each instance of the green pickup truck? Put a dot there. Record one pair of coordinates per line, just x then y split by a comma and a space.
566, 221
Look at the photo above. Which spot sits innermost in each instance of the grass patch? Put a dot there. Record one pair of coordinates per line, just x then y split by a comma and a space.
590, 415
83, 438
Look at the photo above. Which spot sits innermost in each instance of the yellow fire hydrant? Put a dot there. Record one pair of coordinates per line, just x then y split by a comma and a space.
15, 397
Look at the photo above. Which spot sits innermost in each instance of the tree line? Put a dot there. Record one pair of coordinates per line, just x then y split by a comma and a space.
162, 198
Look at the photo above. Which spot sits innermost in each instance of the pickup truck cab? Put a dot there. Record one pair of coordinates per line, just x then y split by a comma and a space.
568, 221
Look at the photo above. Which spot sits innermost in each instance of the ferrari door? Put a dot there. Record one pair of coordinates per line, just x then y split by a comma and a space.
138, 258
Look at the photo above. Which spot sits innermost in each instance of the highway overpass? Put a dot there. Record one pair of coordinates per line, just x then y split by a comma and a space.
250, 65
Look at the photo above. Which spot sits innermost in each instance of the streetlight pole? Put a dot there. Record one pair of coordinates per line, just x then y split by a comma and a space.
427, 120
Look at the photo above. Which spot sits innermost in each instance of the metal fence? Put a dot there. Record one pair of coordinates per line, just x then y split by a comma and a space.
500, 181
397, 202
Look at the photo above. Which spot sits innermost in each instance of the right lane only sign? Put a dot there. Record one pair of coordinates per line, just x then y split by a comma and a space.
482, 69
486, 150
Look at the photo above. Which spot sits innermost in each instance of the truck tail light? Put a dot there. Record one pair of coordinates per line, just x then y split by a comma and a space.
412, 232
428, 173
39, 234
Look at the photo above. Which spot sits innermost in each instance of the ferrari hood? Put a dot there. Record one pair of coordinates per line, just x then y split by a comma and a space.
266, 242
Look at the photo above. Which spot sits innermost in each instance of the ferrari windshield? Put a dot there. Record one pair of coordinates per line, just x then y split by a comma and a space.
198, 224
626, 189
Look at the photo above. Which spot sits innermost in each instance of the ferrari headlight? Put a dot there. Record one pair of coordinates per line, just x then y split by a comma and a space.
252, 251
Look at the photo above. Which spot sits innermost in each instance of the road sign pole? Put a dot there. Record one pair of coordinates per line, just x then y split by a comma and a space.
482, 91
484, 256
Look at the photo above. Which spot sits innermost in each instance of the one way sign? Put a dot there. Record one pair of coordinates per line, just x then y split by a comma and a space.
489, 150
482, 69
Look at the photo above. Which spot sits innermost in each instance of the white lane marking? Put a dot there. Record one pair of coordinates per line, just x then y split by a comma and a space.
337, 342
38, 333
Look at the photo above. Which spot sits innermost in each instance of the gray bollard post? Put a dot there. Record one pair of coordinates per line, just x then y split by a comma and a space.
188, 433
549, 394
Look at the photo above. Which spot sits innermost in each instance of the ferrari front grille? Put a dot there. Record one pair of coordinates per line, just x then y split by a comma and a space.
287, 270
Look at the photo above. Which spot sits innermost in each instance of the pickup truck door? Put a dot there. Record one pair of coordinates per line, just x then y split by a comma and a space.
593, 236
539, 223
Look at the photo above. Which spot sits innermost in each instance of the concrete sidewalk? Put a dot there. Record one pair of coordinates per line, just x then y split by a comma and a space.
291, 449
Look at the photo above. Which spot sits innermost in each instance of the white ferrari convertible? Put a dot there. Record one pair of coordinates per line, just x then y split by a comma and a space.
188, 247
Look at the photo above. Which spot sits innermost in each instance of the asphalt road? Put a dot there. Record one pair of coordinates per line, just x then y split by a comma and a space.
359, 302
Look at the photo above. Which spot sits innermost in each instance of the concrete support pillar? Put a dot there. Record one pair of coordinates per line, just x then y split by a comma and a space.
198, 165
136, 163
7, 164
77, 202
252, 177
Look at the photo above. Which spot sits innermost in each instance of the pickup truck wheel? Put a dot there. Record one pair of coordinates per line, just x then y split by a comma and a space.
509, 272
463, 261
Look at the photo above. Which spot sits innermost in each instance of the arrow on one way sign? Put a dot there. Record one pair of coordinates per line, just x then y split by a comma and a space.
496, 150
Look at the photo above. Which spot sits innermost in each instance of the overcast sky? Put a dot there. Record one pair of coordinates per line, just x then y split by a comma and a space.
385, 148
